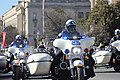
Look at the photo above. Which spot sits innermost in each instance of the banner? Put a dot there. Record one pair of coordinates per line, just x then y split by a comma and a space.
4, 44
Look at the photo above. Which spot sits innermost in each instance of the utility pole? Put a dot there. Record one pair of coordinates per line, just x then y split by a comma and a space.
43, 11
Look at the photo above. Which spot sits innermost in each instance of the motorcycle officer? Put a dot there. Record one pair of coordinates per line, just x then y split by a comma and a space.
113, 61
117, 36
41, 47
70, 29
18, 40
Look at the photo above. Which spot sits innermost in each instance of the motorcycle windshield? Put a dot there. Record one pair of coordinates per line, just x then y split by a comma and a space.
74, 37
18, 45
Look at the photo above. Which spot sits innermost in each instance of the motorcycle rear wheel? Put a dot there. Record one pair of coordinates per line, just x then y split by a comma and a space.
116, 69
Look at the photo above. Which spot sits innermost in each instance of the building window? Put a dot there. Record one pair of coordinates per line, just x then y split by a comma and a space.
35, 0
35, 20
38, 0
67, 1
35, 32
84, 0
80, 15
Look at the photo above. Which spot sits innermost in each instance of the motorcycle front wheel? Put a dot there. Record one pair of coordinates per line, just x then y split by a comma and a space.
16, 72
79, 74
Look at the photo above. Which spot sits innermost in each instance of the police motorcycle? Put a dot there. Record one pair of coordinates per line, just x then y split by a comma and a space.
115, 57
108, 57
3, 62
37, 64
70, 60
20, 53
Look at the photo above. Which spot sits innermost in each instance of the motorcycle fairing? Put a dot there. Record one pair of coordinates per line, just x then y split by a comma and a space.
67, 44
116, 44
76, 42
25, 49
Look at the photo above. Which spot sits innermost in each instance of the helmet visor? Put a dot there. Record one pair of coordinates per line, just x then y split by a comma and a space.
117, 33
71, 28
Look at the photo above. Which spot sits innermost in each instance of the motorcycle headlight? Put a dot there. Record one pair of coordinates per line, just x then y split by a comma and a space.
21, 46
21, 54
76, 50
74, 37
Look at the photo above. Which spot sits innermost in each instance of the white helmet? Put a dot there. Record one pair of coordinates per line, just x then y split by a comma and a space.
117, 31
70, 25
18, 37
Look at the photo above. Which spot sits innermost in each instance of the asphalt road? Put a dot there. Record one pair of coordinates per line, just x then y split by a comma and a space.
106, 74
101, 74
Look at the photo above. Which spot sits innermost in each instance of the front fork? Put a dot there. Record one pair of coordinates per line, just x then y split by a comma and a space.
71, 68
75, 63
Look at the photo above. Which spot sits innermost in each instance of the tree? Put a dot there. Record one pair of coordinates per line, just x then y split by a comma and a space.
11, 33
114, 16
83, 25
55, 21
105, 19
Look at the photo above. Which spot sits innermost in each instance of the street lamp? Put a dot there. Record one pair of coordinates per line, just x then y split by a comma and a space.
35, 26
34, 20
3, 23
24, 7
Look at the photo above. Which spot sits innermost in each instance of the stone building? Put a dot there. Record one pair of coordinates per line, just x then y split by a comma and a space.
114, 1
1, 24
93, 2
27, 15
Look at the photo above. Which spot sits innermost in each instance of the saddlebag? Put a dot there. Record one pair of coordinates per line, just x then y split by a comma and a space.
102, 57
3, 62
39, 63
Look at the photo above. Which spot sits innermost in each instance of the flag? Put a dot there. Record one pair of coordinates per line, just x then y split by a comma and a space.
4, 44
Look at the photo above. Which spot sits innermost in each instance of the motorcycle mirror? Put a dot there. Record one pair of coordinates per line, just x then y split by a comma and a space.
52, 39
